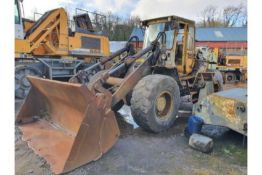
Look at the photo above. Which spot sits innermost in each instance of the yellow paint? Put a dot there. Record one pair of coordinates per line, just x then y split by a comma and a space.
216, 52
75, 42
226, 107
241, 59
140, 60
51, 38
21, 46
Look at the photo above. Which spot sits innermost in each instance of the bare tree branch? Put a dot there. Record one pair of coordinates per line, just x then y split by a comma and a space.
231, 15
228, 17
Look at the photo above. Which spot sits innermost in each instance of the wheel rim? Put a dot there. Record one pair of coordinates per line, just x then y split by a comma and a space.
164, 104
229, 78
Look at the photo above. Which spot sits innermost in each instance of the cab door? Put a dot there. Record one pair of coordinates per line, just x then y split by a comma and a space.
190, 49
185, 48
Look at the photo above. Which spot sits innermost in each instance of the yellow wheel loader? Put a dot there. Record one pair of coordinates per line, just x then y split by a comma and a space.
71, 124
55, 47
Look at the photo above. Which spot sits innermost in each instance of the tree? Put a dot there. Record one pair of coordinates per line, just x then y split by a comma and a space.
117, 28
231, 15
243, 17
228, 17
209, 16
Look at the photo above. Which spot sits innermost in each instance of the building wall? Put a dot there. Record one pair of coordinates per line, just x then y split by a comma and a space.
222, 44
227, 48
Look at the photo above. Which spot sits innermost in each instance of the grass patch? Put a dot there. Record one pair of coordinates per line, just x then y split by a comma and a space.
238, 153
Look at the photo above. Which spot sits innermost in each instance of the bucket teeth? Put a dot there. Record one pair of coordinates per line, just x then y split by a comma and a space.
66, 123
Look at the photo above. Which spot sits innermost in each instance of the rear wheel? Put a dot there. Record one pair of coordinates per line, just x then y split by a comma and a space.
22, 85
155, 102
230, 77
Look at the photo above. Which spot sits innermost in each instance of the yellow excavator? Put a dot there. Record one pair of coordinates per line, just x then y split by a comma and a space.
55, 47
71, 124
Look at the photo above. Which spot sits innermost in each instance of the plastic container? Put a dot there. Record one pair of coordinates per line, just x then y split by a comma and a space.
194, 125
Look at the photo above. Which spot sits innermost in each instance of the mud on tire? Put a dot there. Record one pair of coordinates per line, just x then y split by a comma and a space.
155, 102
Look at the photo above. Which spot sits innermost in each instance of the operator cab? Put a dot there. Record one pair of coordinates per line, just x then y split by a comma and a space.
88, 22
177, 50
19, 32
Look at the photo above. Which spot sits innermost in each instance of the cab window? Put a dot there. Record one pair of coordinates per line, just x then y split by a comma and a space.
191, 42
153, 30
17, 14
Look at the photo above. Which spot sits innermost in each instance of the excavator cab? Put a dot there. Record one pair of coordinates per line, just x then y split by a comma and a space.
83, 22
88, 22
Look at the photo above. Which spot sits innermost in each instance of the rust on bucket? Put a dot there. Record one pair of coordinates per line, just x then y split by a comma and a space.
67, 124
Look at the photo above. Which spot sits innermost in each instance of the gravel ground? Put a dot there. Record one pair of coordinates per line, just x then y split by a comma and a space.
139, 152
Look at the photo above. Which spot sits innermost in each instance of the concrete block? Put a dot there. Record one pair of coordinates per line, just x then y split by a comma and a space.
201, 143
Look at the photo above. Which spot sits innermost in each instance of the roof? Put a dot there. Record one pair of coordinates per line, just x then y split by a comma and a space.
209, 34
177, 18
221, 34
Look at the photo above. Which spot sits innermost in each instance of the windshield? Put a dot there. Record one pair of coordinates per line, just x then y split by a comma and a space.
153, 30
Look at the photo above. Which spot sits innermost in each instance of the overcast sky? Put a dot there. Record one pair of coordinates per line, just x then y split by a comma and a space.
124, 8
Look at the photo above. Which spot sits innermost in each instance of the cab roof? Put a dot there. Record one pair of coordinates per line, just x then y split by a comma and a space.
172, 17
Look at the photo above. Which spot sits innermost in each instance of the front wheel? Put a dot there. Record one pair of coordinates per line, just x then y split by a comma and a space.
155, 102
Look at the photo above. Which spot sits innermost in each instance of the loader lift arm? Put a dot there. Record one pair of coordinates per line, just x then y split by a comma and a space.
122, 86
83, 76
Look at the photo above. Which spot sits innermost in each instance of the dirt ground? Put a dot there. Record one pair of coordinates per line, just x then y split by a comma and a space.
139, 152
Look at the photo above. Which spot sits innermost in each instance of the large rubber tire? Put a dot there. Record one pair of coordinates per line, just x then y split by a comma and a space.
22, 85
93, 79
144, 102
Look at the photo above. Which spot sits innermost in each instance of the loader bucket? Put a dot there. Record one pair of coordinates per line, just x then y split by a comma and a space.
66, 123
